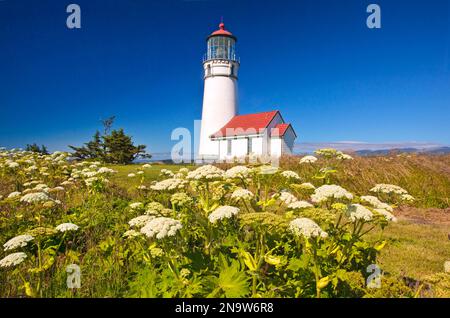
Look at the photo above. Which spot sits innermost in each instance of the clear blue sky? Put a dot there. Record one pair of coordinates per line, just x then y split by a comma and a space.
316, 61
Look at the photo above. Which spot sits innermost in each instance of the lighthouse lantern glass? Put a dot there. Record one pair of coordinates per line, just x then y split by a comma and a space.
221, 47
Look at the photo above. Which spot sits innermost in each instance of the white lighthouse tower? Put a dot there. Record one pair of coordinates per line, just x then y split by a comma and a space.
220, 98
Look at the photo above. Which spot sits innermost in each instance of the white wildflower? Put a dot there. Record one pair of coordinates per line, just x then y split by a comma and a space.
243, 194
161, 227
286, 197
140, 172
35, 197
207, 172
14, 194
146, 166
327, 192
388, 188
447, 267
300, 205
307, 228
13, 259
290, 175
308, 159
105, 170
64, 227
223, 212
168, 184
140, 221
376, 203
407, 197
131, 175
237, 172
358, 212
18, 241
136, 205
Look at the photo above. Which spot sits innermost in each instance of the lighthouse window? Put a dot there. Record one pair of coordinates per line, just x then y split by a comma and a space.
229, 147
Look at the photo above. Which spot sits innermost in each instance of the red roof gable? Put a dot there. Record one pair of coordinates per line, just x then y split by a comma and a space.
280, 130
246, 124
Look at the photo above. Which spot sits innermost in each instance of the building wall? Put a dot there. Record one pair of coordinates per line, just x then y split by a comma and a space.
220, 103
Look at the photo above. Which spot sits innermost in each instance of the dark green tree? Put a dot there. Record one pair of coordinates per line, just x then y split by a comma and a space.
119, 148
112, 147
35, 148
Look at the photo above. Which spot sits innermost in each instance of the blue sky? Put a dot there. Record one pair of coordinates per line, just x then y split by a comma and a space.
316, 61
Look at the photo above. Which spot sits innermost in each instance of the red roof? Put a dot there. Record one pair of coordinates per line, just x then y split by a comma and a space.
246, 124
280, 130
222, 31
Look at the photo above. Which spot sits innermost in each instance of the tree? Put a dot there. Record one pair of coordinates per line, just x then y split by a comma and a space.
111, 147
119, 148
35, 148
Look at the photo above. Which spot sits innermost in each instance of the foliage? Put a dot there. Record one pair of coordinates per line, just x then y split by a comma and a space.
111, 147
256, 245
35, 148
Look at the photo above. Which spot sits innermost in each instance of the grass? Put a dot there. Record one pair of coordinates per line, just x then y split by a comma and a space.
415, 250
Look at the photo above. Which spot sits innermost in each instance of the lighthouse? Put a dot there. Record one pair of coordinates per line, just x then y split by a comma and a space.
224, 134
220, 97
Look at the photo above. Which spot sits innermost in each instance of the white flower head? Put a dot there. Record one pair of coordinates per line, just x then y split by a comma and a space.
146, 166
18, 241
169, 185
290, 175
35, 197
237, 172
140, 221
223, 212
13, 259
14, 195
376, 203
407, 197
308, 159
358, 212
447, 267
131, 175
243, 194
332, 191
388, 188
297, 205
136, 205
286, 197
207, 172
307, 228
161, 227
64, 227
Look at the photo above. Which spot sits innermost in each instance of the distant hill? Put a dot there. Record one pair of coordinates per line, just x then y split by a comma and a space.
439, 150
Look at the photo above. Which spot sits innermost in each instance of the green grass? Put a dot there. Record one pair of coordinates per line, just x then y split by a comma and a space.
413, 250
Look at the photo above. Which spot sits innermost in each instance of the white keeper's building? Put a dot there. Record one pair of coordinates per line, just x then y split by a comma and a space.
224, 134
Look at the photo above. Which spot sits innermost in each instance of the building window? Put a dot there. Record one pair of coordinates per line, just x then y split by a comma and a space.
229, 146
249, 146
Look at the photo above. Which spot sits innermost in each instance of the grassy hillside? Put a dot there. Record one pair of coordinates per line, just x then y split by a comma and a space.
101, 203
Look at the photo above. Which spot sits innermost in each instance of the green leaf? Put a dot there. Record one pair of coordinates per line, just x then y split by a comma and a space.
232, 281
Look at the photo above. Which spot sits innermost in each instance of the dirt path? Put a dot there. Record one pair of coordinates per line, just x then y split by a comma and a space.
430, 216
